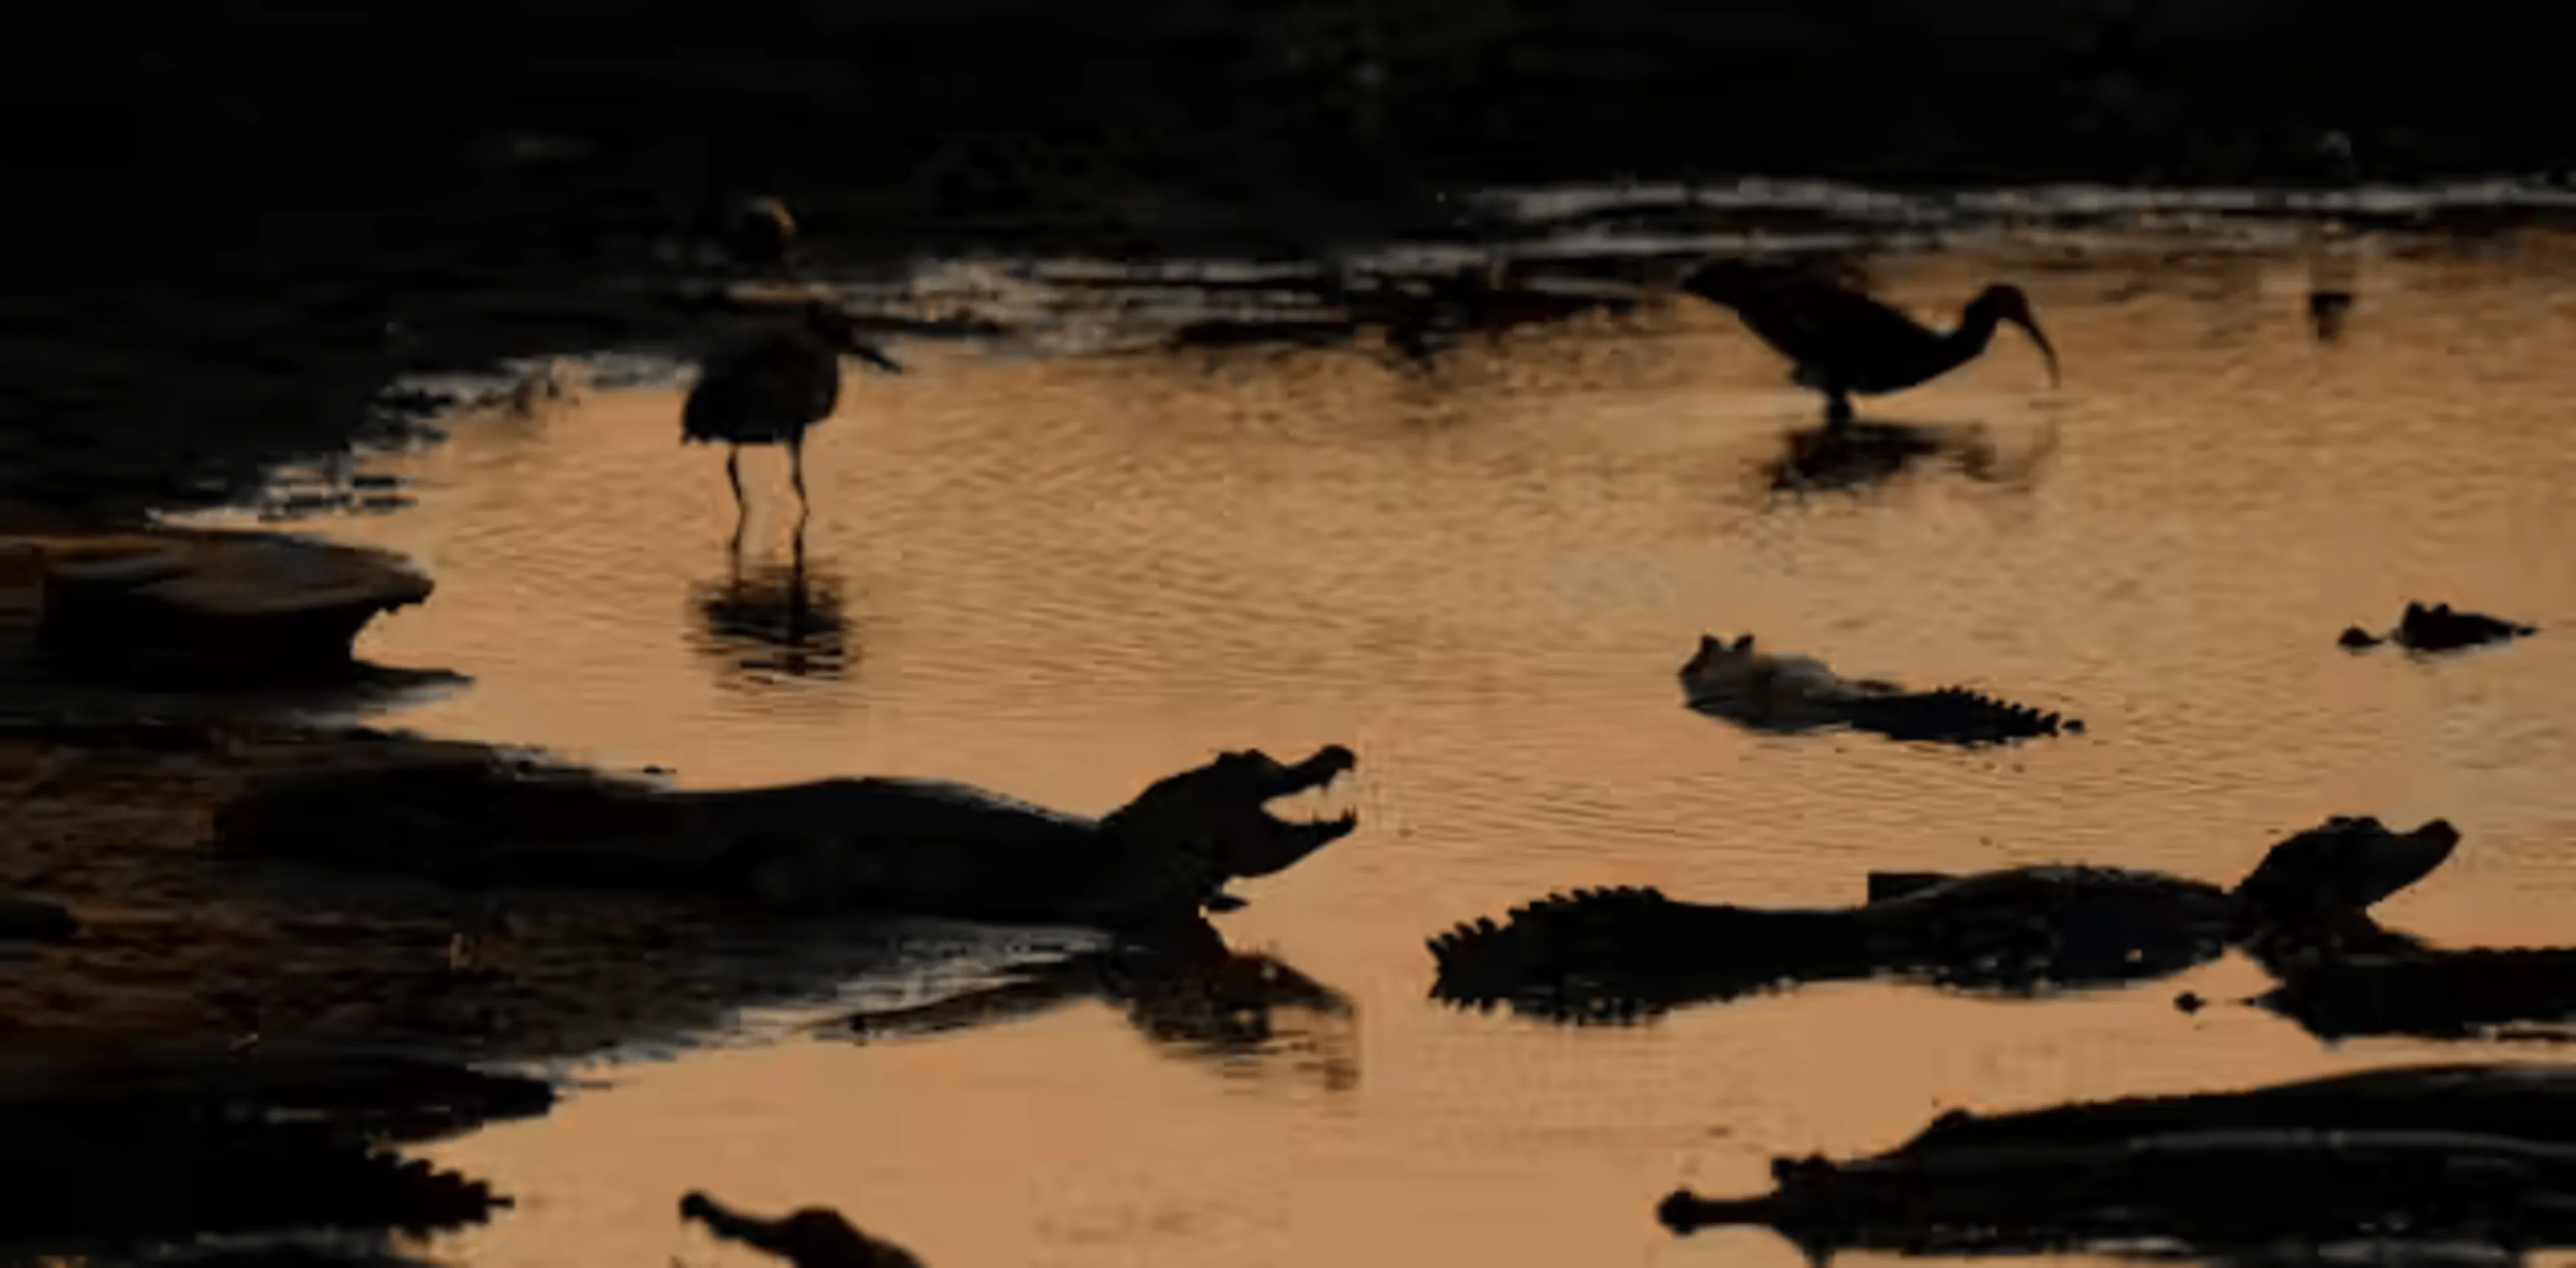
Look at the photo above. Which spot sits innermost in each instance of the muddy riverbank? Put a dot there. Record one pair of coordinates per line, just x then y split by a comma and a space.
110, 820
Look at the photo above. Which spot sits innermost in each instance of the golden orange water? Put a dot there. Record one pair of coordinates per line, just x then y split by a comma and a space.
1064, 578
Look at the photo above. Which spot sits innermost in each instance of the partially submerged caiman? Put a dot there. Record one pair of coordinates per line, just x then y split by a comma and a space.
1791, 695
1619, 954
2436, 629
2470, 1163
858, 846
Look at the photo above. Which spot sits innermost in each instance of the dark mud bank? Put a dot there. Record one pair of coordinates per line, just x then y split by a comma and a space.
276, 216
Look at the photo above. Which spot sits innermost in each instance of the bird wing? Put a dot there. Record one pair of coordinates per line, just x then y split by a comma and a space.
777, 381
1803, 315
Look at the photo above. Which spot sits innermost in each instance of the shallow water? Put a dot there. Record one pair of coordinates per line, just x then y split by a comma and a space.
1063, 578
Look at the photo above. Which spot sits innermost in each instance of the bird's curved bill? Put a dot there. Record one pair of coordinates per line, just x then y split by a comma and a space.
2045, 350
877, 357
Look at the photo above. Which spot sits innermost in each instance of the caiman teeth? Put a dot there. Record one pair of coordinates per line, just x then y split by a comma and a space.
1315, 809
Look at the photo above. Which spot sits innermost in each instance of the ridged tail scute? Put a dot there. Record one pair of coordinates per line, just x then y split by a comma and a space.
1957, 715
1560, 957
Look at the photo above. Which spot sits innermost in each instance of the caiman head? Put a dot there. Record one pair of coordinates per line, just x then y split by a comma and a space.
1214, 818
2342, 868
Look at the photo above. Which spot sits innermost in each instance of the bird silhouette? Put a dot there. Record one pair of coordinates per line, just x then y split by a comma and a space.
1845, 343
769, 388
761, 234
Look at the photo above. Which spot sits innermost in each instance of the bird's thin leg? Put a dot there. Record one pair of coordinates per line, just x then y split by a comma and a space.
741, 509
797, 599
1838, 411
796, 474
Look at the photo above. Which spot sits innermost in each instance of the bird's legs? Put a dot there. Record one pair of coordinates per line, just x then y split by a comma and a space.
741, 509
1838, 412
797, 599
796, 475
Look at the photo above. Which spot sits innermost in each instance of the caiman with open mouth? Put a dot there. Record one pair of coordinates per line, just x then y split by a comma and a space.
856, 846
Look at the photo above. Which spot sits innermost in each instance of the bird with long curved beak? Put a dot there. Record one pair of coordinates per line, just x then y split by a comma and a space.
1846, 343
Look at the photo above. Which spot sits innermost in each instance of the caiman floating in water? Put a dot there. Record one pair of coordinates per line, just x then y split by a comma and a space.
1795, 694
855, 846
2464, 1162
2438, 629
1621, 954
809, 1237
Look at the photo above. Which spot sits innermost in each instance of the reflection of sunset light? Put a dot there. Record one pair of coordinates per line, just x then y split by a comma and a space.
1061, 579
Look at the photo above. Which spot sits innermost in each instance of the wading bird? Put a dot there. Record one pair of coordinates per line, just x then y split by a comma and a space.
1844, 342
768, 389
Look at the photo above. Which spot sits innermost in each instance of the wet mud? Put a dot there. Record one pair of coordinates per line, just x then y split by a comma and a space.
116, 1146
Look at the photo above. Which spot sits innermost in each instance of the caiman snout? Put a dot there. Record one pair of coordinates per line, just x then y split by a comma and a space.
1289, 842
1220, 812
1316, 771
2346, 866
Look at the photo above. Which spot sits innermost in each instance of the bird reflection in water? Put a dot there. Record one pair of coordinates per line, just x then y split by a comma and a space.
2332, 275
1860, 454
1186, 992
773, 622
2332, 264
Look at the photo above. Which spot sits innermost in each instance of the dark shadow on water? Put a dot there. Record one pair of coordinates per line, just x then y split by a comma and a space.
773, 622
1184, 990
353, 689
1866, 453
125, 1150
2504, 993
372, 1250
2327, 312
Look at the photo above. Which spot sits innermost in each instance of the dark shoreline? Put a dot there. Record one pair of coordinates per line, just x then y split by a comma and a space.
225, 208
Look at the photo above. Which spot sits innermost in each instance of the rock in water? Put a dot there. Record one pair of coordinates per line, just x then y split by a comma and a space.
247, 604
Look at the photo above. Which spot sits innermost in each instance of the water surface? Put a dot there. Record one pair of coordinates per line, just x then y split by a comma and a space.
1065, 577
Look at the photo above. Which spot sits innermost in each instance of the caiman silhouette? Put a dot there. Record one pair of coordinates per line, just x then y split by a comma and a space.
1624, 954
811, 1237
2404, 988
835, 846
1791, 695
2436, 629
2465, 1162
1182, 987
110, 1148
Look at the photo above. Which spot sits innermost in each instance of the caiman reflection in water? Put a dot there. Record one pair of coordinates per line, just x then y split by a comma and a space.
1184, 990
773, 622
